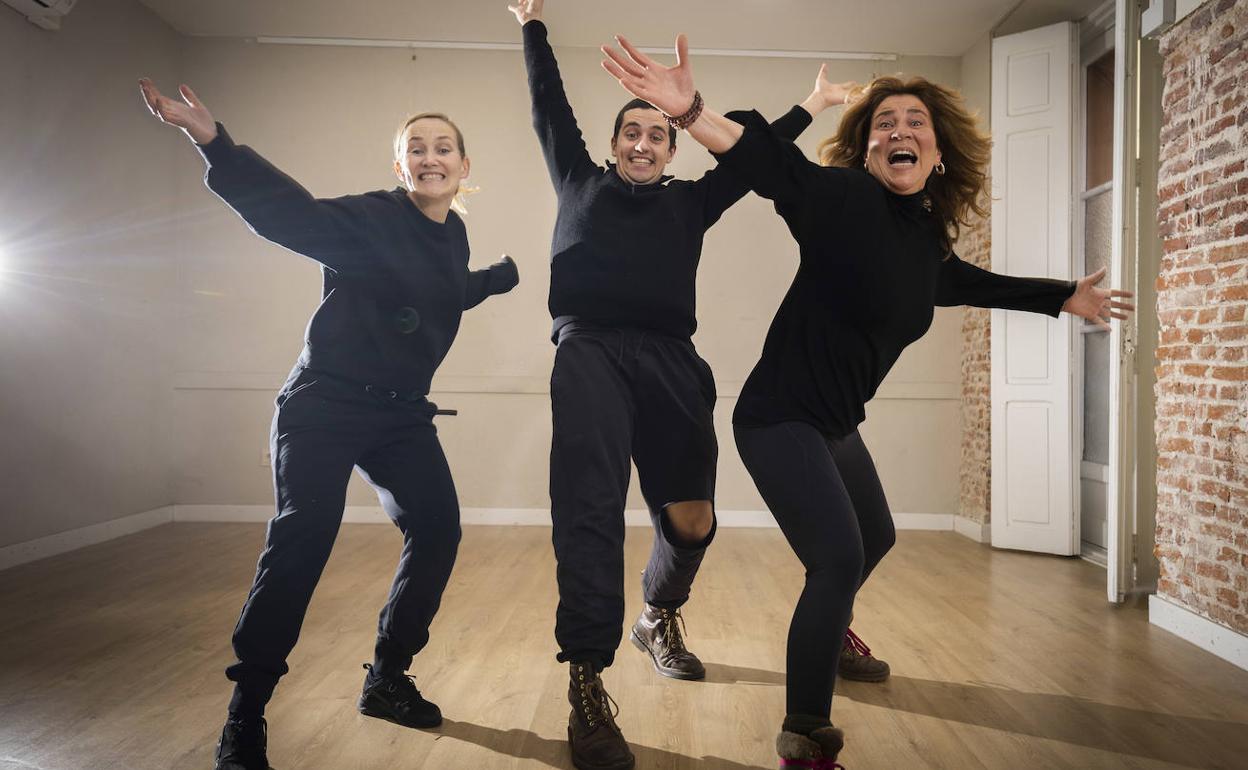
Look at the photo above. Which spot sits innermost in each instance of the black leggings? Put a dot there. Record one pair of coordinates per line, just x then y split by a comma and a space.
827, 498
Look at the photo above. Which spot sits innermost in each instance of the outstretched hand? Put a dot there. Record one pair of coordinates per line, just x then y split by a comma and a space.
668, 88
190, 114
1097, 305
526, 10
835, 94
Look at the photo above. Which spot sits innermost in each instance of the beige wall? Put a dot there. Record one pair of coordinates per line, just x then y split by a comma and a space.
325, 115
89, 234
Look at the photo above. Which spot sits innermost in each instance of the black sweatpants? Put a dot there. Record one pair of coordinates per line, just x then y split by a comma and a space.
616, 394
324, 427
827, 498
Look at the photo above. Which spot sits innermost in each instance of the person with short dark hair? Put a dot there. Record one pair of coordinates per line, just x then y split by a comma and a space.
627, 383
396, 281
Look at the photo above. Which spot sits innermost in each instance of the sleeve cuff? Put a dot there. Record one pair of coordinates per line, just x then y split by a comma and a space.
800, 116
753, 122
219, 149
504, 275
534, 28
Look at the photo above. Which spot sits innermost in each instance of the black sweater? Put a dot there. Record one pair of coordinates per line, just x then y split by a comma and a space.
394, 281
872, 268
623, 254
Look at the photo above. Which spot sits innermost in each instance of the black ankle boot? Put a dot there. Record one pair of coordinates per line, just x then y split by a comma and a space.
396, 699
593, 736
243, 745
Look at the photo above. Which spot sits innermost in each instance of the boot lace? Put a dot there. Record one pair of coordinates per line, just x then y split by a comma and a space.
596, 703
404, 687
856, 645
673, 622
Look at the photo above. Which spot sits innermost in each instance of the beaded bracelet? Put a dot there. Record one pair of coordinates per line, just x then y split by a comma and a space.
684, 121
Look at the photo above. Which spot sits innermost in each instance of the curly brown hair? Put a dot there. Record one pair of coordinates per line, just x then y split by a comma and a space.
962, 190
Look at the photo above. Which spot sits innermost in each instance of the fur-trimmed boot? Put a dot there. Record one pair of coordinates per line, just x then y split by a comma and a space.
817, 751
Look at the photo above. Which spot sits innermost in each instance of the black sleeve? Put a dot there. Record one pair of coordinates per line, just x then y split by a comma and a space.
771, 165
724, 188
791, 124
499, 278
961, 283
278, 209
557, 132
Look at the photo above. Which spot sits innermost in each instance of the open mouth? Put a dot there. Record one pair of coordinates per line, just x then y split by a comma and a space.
641, 159
431, 177
902, 158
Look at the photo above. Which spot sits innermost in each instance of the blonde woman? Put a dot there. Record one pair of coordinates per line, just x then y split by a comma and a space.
396, 280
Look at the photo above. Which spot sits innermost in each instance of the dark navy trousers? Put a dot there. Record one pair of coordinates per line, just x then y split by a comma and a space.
324, 427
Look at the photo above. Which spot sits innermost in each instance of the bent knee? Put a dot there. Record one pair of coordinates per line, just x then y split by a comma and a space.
690, 520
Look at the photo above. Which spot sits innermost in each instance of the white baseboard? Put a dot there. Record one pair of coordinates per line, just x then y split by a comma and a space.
61, 542
524, 517
980, 532
935, 522
1199, 630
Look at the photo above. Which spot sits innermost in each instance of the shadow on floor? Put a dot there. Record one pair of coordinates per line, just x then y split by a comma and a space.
718, 673
1182, 740
525, 744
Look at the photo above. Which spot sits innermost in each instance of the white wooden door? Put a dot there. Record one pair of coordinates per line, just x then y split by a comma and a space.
1033, 443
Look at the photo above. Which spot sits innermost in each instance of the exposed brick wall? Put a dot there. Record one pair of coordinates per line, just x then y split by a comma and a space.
1202, 369
975, 469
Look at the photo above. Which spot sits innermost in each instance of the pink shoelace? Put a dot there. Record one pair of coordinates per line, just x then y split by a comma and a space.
858, 646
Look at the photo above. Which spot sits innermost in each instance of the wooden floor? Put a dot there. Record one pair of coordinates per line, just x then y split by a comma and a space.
111, 657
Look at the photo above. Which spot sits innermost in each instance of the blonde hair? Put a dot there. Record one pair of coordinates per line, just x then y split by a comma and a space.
460, 201
962, 190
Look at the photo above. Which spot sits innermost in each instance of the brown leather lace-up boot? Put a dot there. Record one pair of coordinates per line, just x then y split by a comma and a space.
593, 736
657, 633
857, 662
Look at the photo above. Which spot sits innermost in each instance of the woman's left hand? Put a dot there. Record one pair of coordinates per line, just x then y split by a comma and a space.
1097, 305
668, 88
835, 94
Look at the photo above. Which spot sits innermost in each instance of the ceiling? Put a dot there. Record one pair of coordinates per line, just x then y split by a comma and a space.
914, 27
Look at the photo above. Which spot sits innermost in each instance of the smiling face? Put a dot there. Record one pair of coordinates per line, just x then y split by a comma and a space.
432, 164
642, 147
901, 146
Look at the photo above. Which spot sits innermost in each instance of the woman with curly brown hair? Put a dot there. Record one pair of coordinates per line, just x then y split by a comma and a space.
875, 227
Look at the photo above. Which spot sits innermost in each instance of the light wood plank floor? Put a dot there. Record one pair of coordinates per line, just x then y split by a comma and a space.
111, 657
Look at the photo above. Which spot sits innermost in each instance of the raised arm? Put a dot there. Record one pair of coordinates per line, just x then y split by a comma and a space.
768, 162
499, 278
671, 90
272, 204
562, 144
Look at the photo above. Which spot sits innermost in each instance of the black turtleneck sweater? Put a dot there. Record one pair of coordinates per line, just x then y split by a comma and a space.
623, 254
395, 282
872, 268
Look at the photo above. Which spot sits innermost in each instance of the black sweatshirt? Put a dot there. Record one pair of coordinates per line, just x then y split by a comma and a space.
872, 268
623, 254
394, 281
